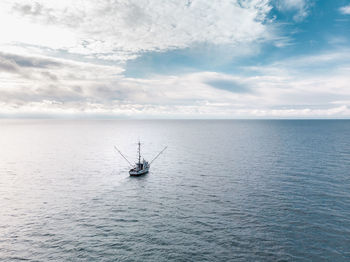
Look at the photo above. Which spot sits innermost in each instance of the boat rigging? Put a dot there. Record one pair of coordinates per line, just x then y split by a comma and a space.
140, 167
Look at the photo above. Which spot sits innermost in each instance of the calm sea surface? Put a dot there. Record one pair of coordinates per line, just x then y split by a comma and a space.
223, 191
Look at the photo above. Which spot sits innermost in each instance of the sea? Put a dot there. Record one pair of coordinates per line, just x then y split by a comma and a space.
224, 190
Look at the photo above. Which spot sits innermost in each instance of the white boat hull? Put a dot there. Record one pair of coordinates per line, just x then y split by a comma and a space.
139, 172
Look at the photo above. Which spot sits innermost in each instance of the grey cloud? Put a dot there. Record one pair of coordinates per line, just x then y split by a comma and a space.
38, 79
8, 66
49, 76
39, 13
28, 67
310, 98
24, 95
57, 93
229, 85
33, 9
77, 89
25, 61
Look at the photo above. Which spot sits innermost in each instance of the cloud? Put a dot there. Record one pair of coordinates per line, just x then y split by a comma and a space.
229, 85
58, 86
345, 10
8, 66
16, 64
27, 61
64, 57
120, 30
275, 90
308, 81
26, 79
33, 9
299, 7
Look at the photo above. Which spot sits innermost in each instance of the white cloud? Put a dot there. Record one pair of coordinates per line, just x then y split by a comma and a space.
26, 79
45, 86
345, 10
122, 29
300, 7
95, 31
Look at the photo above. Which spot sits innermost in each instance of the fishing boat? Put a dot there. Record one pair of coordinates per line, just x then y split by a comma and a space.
139, 168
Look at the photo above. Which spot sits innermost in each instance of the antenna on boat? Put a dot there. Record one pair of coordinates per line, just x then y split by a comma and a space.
122, 155
158, 154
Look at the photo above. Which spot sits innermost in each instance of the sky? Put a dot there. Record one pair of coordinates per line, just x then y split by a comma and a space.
175, 59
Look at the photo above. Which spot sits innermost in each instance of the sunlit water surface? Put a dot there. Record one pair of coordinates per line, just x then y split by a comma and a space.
223, 191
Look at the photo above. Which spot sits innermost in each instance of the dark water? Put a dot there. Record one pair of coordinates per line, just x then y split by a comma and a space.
223, 191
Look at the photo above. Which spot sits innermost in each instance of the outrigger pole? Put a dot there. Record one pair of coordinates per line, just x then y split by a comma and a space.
158, 155
122, 155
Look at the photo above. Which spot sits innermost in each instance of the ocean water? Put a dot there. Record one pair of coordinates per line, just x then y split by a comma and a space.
224, 190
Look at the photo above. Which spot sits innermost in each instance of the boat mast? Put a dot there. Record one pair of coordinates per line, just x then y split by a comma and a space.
139, 153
